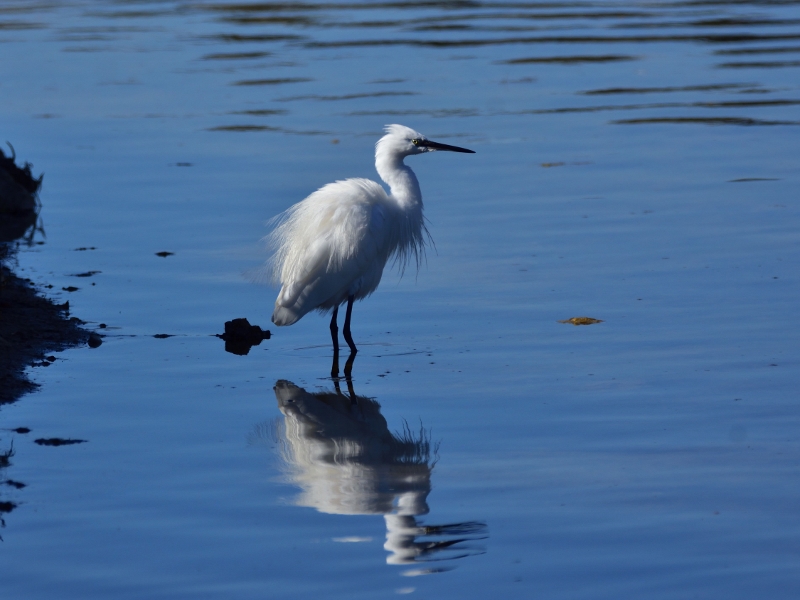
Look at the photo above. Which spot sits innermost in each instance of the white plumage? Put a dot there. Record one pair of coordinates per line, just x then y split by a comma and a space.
333, 246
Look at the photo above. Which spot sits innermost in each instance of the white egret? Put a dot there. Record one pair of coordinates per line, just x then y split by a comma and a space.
331, 248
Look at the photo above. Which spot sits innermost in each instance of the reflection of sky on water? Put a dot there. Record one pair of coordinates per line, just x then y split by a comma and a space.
339, 450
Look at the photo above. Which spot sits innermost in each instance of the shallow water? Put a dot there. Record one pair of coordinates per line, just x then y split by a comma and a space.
636, 163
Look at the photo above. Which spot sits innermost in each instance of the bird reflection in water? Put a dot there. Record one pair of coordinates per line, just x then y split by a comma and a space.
338, 449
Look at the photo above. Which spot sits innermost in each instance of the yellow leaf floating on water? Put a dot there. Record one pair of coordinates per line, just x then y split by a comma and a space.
582, 321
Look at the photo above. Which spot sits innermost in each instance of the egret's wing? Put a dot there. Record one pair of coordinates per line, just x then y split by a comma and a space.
315, 263
338, 238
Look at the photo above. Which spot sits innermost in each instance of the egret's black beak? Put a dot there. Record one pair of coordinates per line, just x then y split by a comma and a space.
438, 146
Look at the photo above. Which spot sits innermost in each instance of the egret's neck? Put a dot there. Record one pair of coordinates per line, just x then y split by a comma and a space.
400, 178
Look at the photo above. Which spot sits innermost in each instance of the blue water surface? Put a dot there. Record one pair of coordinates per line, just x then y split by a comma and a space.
635, 163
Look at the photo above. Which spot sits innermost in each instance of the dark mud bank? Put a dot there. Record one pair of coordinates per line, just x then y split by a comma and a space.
31, 325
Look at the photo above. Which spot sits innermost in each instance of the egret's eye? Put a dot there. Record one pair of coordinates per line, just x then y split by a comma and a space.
415, 142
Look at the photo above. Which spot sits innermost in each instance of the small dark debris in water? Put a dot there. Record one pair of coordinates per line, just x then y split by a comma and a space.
240, 336
70, 288
85, 248
95, 341
7, 507
745, 179
57, 441
86, 274
582, 321
163, 336
50, 358
21, 430
102, 326
15, 484
164, 254
553, 164
183, 164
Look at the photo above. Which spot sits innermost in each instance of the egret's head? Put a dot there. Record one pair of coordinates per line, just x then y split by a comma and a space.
403, 141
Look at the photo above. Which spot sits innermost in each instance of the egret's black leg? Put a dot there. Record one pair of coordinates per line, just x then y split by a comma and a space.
347, 337
335, 330
335, 338
348, 368
348, 375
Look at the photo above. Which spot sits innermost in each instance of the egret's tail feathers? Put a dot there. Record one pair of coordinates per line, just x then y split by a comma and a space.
283, 316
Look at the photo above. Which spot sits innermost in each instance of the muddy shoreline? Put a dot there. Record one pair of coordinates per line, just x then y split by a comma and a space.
32, 326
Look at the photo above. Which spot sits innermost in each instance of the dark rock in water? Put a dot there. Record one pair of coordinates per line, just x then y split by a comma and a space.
164, 254
240, 336
94, 341
57, 441
163, 336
